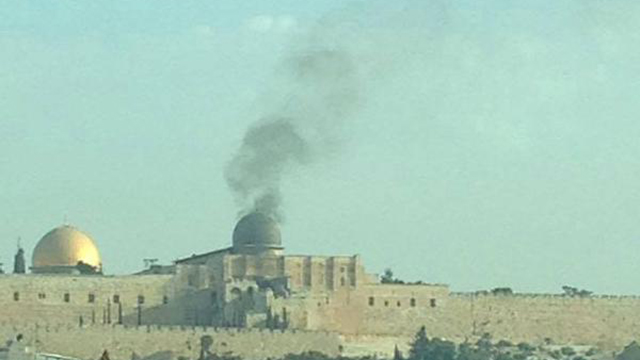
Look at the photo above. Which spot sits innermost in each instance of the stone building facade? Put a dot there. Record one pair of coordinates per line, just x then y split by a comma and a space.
253, 284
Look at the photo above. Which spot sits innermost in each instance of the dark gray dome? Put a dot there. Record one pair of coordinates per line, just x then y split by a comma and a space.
256, 231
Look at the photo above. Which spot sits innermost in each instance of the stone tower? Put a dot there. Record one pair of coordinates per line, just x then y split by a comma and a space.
18, 262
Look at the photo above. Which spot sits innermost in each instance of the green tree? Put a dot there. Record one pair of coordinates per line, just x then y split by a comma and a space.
630, 352
484, 343
504, 356
525, 347
387, 277
420, 345
468, 352
574, 291
442, 350
504, 344
86, 269
422, 348
502, 291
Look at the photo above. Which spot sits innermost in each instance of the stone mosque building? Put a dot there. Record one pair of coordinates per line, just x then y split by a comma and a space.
253, 288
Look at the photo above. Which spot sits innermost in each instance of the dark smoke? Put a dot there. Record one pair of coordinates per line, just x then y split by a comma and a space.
320, 93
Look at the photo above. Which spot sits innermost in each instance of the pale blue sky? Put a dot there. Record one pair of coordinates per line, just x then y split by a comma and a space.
494, 144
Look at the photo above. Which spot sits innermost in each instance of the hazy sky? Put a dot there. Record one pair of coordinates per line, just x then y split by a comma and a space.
494, 143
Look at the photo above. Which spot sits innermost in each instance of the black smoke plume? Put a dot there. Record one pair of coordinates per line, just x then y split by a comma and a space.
319, 94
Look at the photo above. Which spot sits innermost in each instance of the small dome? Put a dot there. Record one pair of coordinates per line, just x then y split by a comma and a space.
66, 246
256, 231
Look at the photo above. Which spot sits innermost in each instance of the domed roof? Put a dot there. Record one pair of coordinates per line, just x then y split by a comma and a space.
66, 246
257, 230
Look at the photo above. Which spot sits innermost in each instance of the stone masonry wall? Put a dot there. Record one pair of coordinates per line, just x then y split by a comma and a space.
169, 342
609, 322
64, 299
387, 310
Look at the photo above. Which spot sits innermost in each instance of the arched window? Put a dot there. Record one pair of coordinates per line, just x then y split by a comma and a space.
236, 294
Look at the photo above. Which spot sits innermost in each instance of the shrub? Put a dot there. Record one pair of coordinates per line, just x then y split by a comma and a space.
523, 346
567, 351
591, 352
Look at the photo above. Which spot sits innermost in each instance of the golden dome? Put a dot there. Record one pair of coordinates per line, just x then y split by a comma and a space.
66, 246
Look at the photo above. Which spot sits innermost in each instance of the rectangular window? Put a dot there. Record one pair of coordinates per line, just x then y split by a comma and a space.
42, 296
140, 299
432, 302
386, 303
165, 299
413, 302
372, 301
92, 298
399, 304
16, 296
67, 297
116, 299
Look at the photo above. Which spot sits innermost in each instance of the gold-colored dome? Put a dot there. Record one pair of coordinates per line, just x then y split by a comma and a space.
66, 246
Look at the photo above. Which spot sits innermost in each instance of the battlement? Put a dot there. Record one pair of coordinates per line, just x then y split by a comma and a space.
489, 294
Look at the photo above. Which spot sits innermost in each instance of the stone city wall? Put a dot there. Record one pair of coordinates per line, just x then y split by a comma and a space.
164, 342
386, 310
609, 322
95, 299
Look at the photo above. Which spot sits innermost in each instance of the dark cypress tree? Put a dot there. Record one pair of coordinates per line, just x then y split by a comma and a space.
269, 320
397, 354
420, 345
